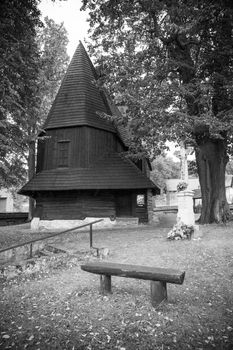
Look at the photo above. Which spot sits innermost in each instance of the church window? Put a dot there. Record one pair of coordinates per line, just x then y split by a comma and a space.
63, 153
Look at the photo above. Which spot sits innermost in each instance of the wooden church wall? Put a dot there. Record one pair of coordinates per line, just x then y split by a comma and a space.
85, 145
127, 206
100, 142
75, 205
40, 155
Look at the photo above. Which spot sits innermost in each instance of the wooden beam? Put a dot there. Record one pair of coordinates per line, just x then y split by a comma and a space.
105, 284
158, 292
135, 271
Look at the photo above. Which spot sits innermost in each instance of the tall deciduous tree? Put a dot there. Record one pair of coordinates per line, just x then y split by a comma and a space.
18, 71
52, 40
32, 64
171, 63
53, 60
52, 63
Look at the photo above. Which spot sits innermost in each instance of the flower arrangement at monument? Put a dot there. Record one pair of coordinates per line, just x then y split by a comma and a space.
182, 186
180, 231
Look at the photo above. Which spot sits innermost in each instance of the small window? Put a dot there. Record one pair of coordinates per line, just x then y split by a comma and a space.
141, 200
63, 153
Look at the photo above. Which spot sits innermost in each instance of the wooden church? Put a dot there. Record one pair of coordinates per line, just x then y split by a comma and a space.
81, 170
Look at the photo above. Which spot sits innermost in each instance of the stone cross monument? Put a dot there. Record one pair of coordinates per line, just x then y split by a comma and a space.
185, 198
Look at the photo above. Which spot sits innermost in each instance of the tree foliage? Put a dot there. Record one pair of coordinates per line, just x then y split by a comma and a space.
165, 60
52, 62
171, 63
52, 41
164, 168
229, 167
192, 168
34, 60
18, 71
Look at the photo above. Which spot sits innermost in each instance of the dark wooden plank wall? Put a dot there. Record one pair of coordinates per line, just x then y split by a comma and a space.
126, 204
40, 154
75, 205
142, 214
86, 145
99, 142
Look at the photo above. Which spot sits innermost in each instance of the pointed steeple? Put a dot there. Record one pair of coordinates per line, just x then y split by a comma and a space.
79, 100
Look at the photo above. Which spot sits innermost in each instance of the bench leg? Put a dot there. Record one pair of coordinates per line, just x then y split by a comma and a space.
158, 292
105, 284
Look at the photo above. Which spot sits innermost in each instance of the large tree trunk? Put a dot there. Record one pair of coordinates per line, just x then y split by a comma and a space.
31, 172
211, 159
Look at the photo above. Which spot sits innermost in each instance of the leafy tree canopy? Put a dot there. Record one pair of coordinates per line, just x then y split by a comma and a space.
52, 40
229, 167
18, 62
164, 168
34, 60
171, 63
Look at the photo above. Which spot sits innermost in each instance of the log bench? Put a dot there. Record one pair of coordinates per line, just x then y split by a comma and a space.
159, 277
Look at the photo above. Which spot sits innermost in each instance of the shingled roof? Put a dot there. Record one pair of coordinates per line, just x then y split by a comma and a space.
79, 101
112, 171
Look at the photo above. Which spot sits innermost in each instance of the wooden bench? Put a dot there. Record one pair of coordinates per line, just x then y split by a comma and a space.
159, 277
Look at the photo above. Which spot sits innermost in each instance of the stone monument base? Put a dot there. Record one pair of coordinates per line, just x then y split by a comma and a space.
185, 208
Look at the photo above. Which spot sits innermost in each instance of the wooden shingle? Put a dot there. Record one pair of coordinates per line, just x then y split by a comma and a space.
92, 159
113, 171
79, 101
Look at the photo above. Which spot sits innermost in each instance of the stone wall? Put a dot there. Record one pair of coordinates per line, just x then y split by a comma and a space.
54, 225
37, 224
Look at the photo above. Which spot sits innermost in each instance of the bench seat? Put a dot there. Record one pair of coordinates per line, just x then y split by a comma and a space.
159, 277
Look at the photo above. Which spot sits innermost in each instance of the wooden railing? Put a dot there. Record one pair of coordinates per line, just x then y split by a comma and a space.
53, 235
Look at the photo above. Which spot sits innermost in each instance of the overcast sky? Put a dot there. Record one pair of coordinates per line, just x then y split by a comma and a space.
69, 13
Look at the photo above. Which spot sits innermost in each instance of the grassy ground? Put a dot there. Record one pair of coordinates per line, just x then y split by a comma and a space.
11, 235
59, 307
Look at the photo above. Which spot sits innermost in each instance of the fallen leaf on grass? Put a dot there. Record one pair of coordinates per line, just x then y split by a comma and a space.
108, 338
5, 336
